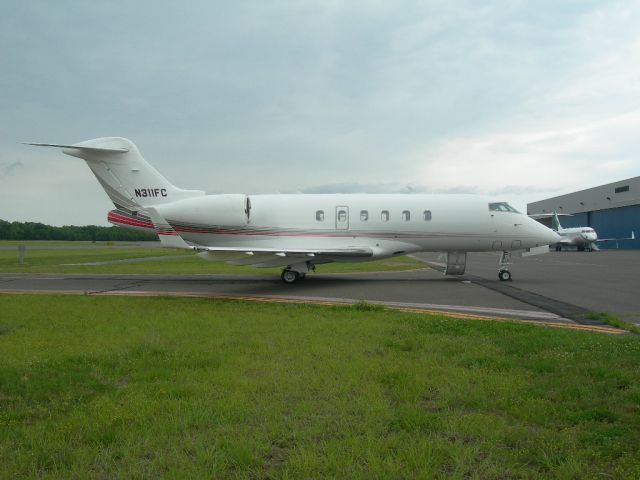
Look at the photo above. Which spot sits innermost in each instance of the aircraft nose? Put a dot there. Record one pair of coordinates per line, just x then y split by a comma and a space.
552, 237
543, 235
547, 236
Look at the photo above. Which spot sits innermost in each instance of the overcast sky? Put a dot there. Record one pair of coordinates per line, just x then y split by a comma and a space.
524, 100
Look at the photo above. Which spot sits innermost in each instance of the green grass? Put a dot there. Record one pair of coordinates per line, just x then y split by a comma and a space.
54, 243
614, 321
54, 261
112, 387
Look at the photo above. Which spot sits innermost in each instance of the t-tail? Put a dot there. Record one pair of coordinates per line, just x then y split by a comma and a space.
130, 182
555, 223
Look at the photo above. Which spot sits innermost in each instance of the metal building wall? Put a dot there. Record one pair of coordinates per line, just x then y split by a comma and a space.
617, 223
619, 194
612, 214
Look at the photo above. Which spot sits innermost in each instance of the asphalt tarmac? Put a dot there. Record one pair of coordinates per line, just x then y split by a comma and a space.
603, 281
556, 287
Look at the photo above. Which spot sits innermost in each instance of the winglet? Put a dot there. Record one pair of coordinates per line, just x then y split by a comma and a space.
168, 236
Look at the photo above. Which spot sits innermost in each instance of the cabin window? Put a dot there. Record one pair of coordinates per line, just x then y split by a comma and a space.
622, 189
406, 215
384, 215
342, 216
426, 215
320, 215
364, 215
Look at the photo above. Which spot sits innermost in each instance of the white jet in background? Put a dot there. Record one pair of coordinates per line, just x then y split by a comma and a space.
583, 238
297, 232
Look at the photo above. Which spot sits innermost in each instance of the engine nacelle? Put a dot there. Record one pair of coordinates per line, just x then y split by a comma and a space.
226, 210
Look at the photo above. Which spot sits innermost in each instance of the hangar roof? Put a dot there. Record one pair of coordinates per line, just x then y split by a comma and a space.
617, 194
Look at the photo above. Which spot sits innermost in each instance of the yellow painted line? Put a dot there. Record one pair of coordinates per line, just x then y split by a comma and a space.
295, 301
471, 316
451, 314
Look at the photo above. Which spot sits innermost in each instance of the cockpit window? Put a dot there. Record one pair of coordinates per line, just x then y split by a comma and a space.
502, 207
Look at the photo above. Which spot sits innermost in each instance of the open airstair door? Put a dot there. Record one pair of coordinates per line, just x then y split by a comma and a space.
456, 263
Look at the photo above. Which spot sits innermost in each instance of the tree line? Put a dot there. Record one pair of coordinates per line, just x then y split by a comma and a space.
90, 233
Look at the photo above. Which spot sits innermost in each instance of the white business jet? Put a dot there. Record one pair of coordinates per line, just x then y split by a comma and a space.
583, 238
297, 232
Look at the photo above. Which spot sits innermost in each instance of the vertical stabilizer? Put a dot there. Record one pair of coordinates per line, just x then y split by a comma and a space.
125, 175
555, 223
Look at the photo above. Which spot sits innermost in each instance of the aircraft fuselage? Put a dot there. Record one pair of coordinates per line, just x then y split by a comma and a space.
388, 224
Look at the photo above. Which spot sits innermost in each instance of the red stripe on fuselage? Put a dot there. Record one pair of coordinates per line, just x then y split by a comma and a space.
117, 218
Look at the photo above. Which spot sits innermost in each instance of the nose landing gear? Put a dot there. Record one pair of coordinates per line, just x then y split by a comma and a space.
505, 261
504, 275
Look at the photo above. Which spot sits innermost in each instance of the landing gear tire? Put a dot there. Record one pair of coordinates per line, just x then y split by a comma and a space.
504, 275
289, 276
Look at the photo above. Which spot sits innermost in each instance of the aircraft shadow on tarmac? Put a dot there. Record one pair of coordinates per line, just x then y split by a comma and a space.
318, 283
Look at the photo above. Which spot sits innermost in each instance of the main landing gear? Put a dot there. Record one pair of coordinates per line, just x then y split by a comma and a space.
291, 276
505, 261
293, 273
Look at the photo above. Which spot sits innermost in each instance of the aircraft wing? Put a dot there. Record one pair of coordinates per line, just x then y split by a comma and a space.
292, 252
536, 216
632, 237
566, 241
272, 257
254, 256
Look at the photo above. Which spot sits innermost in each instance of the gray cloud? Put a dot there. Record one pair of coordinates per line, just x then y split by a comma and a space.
352, 187
330, 96
413, 188
7, 170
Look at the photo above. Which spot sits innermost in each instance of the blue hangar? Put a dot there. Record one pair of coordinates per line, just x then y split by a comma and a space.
612, 210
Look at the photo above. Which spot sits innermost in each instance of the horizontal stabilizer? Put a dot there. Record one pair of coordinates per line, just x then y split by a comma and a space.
80, 147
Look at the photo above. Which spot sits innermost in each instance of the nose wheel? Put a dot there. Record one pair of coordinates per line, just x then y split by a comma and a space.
505, 260
504, 275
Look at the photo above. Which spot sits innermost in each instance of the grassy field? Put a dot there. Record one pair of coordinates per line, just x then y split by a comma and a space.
54, 243
58, 261
109, 387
